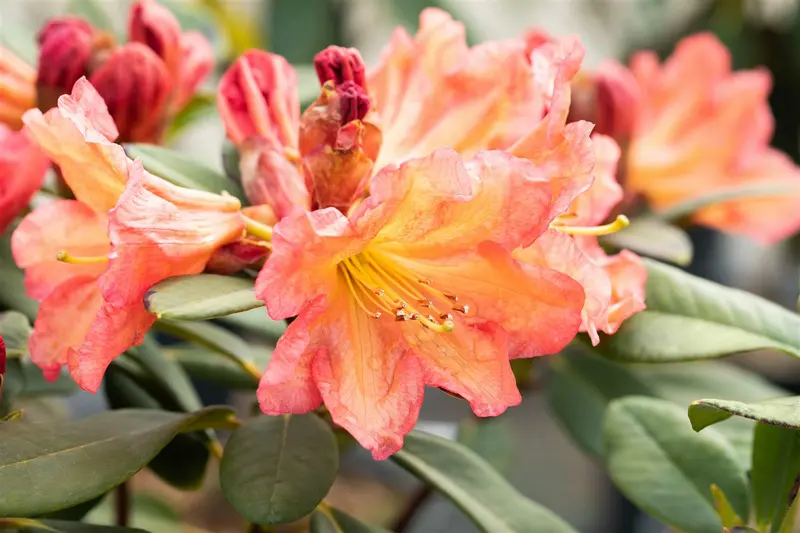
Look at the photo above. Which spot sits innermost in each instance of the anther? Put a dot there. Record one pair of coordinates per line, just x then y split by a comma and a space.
451, 297
446, 316
463, 309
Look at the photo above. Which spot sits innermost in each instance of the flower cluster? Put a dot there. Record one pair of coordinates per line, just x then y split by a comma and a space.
424, 222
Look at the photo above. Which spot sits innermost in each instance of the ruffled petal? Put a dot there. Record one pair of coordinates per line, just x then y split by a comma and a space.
628, 276
258, 96
65, 317
559, 251
159, 230
538, 307
433, 91
77, 137
63, 225
17, 88
593, 206
439, 202
22, 169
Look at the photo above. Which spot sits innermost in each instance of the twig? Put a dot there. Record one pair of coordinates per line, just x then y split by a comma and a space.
122, 500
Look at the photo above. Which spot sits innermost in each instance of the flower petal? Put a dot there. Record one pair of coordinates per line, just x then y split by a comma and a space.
156, 27
63, 225
77, 137
270, 178
113, 330
65, 317
441, 202
196, 64
17, 88
432, 91
22, 170
628, 276
593, 206
159, 230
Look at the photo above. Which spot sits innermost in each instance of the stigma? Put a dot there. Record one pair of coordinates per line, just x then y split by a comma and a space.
384, 288
64, 257
620, 223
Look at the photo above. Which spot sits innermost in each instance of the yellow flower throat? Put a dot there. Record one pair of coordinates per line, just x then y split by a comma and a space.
382, 286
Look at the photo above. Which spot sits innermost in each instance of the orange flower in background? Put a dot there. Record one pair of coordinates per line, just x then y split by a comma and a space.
17, 88
415, 287
144, 82
22, 170
90, 268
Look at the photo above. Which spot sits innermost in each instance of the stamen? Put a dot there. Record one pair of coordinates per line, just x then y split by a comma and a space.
253, 227
64, 257
621, 222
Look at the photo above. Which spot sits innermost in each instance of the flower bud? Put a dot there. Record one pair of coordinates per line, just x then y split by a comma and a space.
340, 65
155, 26
258, 97
609, 98
67, 50
270, 176
17, 88
135, 85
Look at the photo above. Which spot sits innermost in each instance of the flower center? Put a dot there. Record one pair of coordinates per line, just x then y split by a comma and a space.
382, 286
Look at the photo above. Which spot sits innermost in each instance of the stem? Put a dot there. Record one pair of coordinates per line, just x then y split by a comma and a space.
257, 229
405, 519
122, 500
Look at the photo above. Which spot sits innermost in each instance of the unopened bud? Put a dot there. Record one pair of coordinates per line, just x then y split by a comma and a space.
609, 98
340, 65
353, 102
257, 96
135, 85
65, 51
17, 88
155, 26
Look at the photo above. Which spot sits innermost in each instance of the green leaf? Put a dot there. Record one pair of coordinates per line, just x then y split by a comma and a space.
182, 170
654, 238
49, 466
308, 85
579, 391
28, 525
15, 330
725, 511
776, 467
689, 318
201, 297
783, 412
407, 11
276, 470
298, 29
147, 511
216, 339
92, 12
13, 295
206, 365
330, 520
660, 464
763, 190
199, 107
683, 383
491, 438
182, 463
257, 322
231, 160
474, 486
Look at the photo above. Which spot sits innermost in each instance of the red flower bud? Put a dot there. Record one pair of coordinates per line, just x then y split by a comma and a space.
353, 102
155, 26
65, 51
135, 85
609, 98
340, 65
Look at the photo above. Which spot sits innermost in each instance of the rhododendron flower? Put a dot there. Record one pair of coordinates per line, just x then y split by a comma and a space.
416, 287
22, 170
90, 268
17, 88
144, 82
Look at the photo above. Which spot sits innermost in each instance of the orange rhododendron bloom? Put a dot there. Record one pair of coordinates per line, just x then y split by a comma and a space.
404, 276
90, 268
17, 88
22, 170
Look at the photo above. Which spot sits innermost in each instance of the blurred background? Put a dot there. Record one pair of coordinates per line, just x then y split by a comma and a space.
527, 444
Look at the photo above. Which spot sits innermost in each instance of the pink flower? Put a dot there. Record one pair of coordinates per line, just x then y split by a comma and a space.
22, 170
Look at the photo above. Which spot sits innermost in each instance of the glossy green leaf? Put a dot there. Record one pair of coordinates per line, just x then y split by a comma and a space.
201, 105
216, 339
653, 238
53, 465
182, 170
725, 511
787, 526
15, 330
75, 513
230, 161
784, 412
206, 365
201, 297
665, 468
491, 438
689, 318
579, 391
298, 29
175, 389
13, 295
182, 463
257, 322
330, 520
474, 486
762, 190
276, 470
776, 467
29, 525
684, 383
